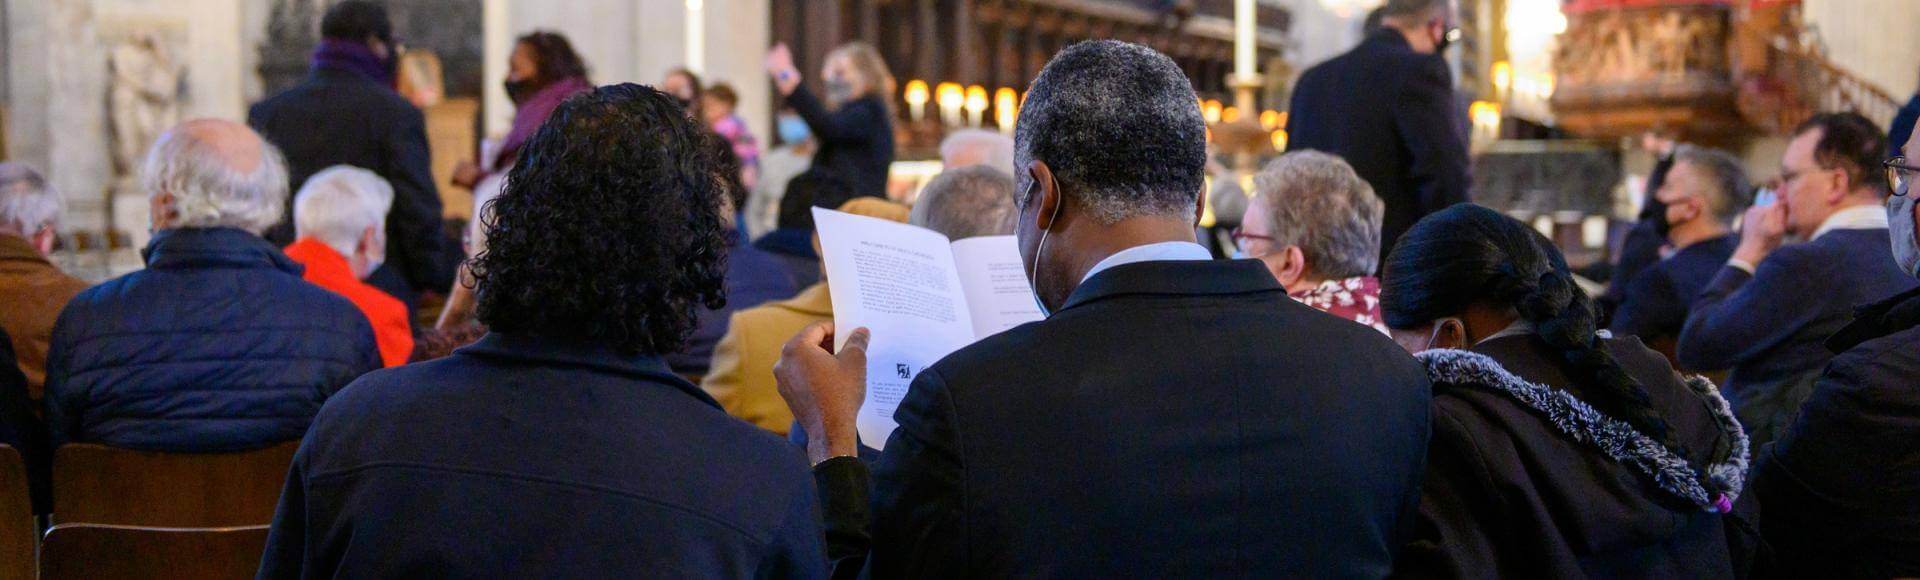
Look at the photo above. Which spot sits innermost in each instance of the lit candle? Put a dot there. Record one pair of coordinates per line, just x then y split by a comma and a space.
1210, 110
976, 104
951, 97
1243, 40
916, 95
1270, 120
1006, 108
1279, 141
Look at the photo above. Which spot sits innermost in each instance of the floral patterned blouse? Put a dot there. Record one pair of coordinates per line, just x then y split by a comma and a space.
1356, 299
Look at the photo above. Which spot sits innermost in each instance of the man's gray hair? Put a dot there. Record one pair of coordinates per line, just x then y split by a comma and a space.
966, 202
27, 202
208, 191
1411, 8
994, 149
339, 203
1318, 203
1120, 128
1726, 175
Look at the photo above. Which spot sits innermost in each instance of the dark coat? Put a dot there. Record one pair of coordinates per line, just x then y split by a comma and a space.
521, 457
1841, 489
1640, 248
1171, 419
1525, 480
1655, 308
218, 345
754, 277
1902, 128
21, 428
1771, 326
1388, 111
791, 250
338, 117
856, 140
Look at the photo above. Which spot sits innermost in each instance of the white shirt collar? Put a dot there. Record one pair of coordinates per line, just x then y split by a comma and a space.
1859, 217
1163, 251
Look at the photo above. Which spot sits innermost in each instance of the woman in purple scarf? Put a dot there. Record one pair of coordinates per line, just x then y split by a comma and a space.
542, 71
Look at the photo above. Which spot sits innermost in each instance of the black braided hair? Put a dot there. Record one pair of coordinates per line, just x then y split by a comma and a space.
1468, 253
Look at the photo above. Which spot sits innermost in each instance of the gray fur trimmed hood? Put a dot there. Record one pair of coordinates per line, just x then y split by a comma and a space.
1575, 418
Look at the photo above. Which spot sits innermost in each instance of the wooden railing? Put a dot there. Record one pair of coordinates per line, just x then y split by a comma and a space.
1800, 82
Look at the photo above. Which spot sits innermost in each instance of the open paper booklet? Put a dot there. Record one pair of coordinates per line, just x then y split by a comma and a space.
922, 297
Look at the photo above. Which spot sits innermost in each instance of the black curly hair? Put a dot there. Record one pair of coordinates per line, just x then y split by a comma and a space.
609, 227
1468, 253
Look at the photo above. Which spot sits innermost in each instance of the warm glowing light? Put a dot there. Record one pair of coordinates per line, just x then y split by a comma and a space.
1285, 116
1484, 114
1280, 140
1502, 76
916, 95
951, 97
1210, 109
1006, 108
1270, 120
1546, 86
1230, 114
976, 104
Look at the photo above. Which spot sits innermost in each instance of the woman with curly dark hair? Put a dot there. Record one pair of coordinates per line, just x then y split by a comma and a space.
1557, 450
560, 445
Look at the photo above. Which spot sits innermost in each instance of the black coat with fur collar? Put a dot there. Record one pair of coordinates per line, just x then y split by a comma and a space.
1525, 480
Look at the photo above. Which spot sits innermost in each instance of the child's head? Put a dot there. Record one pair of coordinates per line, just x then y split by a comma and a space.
718, 101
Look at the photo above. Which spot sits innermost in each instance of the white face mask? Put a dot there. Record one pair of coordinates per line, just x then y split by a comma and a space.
1906, 250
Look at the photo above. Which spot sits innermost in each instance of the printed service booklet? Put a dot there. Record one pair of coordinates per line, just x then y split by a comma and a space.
921, 295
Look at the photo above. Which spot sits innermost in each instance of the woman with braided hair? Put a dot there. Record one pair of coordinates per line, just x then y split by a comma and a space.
1557, 450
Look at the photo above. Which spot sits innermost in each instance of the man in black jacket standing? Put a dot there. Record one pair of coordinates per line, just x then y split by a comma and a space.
1103, 442
347, 113
1387, 107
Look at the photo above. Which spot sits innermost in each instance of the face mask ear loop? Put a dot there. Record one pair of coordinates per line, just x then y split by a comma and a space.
1038, 253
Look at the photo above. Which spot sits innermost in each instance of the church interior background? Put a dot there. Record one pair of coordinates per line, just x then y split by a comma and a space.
1555, 91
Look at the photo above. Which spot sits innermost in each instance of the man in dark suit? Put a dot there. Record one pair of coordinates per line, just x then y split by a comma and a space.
1387, 107
347, 113
1106, 441
1702, 192
1769, 311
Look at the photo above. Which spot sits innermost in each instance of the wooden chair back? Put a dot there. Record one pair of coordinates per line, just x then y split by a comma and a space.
104, 552
16, 517
96, 484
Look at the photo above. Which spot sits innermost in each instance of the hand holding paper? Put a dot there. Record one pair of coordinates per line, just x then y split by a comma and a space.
824, 390
922, 296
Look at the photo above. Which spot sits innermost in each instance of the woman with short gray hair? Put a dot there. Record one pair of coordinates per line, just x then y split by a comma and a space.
1316, 226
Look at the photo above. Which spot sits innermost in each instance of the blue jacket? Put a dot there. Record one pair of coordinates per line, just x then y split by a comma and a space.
218, 345
522, 457
1655, 303
1770, 327
1840, 491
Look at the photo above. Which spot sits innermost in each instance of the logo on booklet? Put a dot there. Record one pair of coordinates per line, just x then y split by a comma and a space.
902, 370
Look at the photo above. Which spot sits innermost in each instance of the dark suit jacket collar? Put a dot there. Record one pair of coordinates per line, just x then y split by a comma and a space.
564, 352
1175, 278
215, 248
1390, 38
1876, 320
334, 74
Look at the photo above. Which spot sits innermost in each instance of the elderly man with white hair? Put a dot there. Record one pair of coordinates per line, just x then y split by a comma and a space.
218, 345
967, 202
32, 289
340, 215
1315, 224
969, 147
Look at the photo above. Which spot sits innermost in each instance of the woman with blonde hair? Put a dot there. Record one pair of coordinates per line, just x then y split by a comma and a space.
854, 125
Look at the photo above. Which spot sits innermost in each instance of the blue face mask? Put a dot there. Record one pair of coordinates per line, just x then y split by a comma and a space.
793, 129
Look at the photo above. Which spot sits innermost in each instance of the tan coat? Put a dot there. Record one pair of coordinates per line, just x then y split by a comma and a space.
32, 292
742, 374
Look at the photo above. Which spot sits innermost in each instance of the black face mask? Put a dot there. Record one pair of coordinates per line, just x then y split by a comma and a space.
1446, 39
519, 91
1661, 227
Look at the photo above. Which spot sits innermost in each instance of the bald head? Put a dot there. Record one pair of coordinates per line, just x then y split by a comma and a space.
208, 173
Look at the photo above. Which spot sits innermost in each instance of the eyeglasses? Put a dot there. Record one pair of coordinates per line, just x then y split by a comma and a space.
1240, 237
1899, 174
